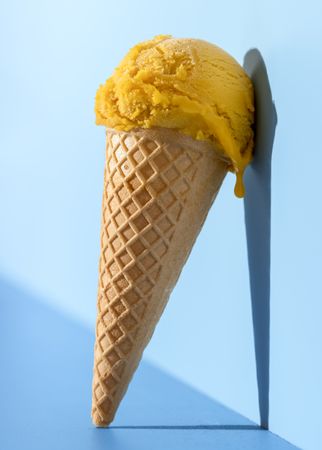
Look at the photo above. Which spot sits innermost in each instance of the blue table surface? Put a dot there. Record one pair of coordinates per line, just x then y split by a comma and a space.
45, 391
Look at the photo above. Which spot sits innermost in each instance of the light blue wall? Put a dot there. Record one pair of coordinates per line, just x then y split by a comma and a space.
53, 56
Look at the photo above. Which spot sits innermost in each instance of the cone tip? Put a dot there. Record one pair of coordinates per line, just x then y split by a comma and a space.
100, 422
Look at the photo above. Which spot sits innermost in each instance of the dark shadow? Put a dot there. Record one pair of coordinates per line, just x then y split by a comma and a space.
45, 393
257, 206
186, 427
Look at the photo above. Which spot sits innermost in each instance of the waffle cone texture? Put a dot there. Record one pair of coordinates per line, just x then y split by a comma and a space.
158, 188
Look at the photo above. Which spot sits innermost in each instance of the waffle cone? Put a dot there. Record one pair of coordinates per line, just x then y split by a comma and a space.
158, 188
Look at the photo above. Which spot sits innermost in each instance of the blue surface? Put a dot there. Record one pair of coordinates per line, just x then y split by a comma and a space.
45, 391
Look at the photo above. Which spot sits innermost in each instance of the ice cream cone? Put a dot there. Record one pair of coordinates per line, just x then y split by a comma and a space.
158, 188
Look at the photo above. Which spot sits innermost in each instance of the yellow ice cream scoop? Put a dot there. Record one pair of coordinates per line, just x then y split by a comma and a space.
188, 85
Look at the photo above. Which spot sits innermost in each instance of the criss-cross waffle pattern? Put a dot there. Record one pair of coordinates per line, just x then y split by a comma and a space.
146, 184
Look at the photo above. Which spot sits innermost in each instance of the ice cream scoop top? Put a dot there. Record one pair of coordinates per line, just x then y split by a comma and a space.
188, 85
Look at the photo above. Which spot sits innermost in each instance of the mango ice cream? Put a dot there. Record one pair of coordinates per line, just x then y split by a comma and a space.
188, 85
178, 115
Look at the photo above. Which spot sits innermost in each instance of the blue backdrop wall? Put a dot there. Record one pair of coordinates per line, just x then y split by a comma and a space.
53, 57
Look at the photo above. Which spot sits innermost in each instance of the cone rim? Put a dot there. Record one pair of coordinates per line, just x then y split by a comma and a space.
170, 134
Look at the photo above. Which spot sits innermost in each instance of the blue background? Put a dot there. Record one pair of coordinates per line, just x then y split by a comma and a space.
53, 57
